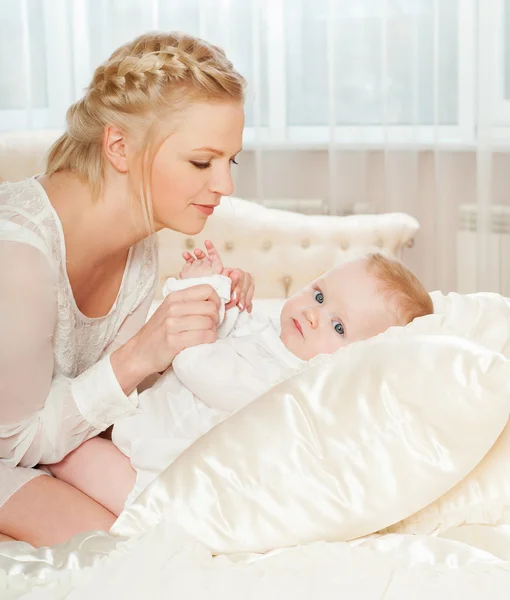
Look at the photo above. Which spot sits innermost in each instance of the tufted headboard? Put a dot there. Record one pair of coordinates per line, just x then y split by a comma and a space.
283, 250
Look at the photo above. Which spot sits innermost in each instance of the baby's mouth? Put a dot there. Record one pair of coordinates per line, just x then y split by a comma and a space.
298, 326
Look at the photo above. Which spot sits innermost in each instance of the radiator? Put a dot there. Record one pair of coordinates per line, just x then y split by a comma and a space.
496, 276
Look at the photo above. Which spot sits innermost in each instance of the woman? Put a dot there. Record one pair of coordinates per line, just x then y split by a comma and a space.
149, 146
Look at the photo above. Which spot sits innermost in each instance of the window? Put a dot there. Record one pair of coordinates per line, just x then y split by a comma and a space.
497, 59
404, 64
320, 72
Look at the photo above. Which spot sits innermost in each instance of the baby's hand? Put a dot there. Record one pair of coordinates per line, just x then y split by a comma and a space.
202, 264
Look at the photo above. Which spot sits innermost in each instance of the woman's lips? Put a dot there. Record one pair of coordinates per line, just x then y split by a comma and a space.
207, 209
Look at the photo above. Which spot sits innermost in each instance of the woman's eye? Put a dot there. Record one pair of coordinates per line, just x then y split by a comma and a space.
200, 165
339, 328
319, 296
233, 161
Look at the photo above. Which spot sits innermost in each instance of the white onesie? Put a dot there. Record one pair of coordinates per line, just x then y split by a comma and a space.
206, 384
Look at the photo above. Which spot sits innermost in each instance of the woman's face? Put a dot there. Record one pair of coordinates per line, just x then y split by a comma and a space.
191, 169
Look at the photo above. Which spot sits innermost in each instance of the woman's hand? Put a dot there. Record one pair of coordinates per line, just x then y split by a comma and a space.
185, 318
243, 289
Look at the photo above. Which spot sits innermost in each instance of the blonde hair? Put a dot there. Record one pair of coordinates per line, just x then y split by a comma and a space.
155, 74
410, 298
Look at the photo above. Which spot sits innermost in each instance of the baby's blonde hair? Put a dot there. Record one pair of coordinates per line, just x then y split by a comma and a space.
408, 296
154, 75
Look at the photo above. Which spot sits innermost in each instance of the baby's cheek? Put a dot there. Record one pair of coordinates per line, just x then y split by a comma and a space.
325, 344
335, 342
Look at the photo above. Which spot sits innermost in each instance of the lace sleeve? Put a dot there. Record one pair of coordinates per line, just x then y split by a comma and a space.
43, 415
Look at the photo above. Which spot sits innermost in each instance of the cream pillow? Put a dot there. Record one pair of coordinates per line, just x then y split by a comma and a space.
357, 441
483, 497
483, 318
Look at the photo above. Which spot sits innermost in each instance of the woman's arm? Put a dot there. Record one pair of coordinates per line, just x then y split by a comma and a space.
43, 414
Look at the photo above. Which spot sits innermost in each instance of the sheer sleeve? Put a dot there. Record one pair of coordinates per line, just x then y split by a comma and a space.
44, 415
132, 323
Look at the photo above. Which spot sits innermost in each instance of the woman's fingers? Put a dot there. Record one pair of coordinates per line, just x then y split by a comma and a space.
198, 292
249, 297
242, 287
177, 325
247, 291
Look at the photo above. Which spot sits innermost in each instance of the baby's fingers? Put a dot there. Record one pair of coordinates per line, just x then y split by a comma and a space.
188, 257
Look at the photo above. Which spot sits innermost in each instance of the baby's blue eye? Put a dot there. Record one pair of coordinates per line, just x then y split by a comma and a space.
319, 296
339, 328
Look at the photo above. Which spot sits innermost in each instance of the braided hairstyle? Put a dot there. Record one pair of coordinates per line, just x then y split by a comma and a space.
150, 76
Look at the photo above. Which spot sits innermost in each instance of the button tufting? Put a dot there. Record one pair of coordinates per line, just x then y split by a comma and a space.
287, 281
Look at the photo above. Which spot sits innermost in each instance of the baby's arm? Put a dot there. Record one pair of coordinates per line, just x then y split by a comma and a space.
219, 376
100, 470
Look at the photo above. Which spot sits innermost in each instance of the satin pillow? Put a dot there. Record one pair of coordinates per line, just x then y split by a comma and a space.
483, 497
483, 318
354, 443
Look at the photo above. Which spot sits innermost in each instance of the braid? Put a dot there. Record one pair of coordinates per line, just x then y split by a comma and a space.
141, 71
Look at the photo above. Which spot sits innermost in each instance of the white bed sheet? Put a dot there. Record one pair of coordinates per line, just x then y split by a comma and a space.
166, 563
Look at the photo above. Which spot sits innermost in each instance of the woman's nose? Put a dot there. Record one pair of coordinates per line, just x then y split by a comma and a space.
223, 184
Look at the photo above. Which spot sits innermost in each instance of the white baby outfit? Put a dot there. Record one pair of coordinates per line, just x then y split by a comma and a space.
206, 384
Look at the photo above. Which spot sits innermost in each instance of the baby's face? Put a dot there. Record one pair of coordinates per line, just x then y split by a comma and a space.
345, 305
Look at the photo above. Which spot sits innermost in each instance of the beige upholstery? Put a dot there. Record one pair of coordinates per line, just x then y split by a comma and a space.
282, 250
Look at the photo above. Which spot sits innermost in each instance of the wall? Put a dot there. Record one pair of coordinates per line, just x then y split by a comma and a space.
428, 185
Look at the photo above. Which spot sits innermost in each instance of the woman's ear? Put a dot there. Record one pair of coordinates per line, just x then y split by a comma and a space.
114, 146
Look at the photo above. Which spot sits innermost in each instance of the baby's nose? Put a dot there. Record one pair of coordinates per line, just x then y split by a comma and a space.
312, 317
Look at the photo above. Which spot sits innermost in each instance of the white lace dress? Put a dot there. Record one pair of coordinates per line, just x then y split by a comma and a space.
57, 386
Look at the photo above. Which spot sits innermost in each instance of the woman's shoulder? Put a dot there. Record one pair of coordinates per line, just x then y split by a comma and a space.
26, 216
25, 194
25, 201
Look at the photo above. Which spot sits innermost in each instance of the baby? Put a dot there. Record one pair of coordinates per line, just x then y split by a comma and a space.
353, 301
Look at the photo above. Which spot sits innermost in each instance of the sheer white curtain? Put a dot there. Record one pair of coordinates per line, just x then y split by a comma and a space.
353, 106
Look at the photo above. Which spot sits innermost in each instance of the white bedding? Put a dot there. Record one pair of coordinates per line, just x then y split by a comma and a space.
164, 564
417, 442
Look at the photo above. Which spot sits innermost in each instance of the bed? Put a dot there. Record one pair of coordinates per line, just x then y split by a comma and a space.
433, 523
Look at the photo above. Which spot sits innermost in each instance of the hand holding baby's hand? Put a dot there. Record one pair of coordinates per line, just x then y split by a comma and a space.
202, 264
